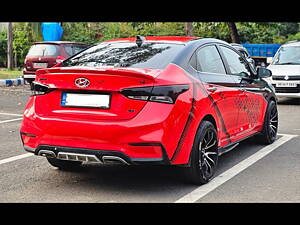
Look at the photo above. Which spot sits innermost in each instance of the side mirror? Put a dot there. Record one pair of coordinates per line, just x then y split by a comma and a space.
263, 72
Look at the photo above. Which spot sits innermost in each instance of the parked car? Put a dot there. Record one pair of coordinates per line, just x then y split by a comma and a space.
244, 52
285, 68
149, 100
48, 53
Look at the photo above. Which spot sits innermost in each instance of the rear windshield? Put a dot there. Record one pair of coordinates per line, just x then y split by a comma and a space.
151, 55
43, 50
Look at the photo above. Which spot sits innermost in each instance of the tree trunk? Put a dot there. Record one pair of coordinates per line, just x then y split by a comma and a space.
9, 46
189, 29
235, 38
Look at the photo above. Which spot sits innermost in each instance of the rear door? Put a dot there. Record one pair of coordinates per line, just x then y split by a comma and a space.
251, 103
222, 89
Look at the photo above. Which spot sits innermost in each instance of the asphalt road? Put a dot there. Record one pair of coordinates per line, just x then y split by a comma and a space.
249, 173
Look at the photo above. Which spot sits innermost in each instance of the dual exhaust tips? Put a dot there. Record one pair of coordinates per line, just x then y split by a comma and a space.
108, 159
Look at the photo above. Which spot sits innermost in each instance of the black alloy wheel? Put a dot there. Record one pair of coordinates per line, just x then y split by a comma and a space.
273, 122
204, 155
270, 128
208, 156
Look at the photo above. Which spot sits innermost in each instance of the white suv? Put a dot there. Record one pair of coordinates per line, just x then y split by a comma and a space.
285, 68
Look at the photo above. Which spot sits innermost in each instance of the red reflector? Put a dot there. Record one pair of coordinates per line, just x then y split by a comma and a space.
146, 151
27, 134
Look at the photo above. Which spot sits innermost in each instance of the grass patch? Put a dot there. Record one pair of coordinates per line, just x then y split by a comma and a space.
10, 74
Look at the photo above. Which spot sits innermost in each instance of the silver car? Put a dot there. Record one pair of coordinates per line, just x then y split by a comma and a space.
285, 68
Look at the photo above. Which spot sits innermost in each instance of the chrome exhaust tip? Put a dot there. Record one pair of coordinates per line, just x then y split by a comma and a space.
77, 157
47, 153
108, 159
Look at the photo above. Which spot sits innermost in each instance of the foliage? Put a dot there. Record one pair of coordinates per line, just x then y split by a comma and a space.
94, 32
22, 40
217, 30
24, 34
117, 30
82, 32
3, 49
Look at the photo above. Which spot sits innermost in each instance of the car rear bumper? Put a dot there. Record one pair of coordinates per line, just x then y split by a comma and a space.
101, 156
150, 137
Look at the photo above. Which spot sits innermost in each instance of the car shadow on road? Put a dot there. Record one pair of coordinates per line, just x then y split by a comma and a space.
155, 181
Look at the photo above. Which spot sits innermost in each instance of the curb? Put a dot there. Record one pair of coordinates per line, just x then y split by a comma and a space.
12, 82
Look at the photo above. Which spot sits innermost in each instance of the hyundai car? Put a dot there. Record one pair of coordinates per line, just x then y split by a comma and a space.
168, 100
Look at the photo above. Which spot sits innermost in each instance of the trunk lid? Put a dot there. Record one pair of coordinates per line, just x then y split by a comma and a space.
104, 84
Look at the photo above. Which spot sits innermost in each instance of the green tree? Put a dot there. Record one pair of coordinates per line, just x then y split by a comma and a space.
25, 34
217, 30
3, 49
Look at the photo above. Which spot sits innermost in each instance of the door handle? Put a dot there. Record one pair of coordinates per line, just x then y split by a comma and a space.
211, 89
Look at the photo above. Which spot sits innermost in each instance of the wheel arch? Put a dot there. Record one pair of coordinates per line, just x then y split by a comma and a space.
207, 117
211, 119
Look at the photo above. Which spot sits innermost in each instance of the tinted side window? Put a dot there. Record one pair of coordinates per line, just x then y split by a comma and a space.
235, 62
209, 60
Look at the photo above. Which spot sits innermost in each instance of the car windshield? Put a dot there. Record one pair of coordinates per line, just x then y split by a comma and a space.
288, 56
151, 55
43, 50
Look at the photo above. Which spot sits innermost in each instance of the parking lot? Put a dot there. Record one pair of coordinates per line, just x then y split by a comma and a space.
249, 173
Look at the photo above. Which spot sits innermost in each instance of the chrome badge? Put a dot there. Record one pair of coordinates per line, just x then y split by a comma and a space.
286, 77
82, 82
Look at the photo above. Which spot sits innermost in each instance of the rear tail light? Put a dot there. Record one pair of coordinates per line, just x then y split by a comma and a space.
163, 94
39, 89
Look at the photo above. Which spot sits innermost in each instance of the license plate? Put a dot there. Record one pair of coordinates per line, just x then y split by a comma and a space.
40, 65
286, 84
85, 100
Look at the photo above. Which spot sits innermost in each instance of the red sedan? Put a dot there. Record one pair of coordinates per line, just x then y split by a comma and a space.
149, 100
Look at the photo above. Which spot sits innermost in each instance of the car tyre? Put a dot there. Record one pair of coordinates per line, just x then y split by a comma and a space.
204, 155
64, 164
270, 127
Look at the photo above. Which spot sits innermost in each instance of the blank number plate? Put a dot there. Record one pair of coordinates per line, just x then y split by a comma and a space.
85, 100
40, 65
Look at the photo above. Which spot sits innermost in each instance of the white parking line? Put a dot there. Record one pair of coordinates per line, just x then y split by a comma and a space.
7, 121
10, 114
14, 158
203, 190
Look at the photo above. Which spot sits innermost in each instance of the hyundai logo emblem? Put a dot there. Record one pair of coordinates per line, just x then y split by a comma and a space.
82, 82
